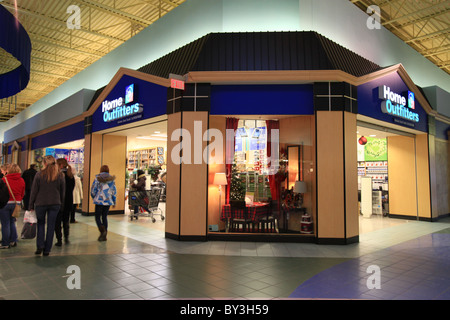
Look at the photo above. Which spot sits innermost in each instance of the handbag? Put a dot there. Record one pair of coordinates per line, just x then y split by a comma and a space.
16, 212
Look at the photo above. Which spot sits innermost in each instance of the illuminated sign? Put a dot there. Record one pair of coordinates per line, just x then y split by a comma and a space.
121, 107
177, 84
129, 94
397, 105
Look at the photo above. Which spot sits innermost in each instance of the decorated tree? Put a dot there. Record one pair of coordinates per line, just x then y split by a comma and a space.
237, 190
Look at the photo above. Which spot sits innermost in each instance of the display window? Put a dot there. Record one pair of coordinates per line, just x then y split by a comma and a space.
270, 176
72, 151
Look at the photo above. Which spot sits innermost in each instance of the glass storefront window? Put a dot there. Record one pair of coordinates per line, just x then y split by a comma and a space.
277, 199
73, 152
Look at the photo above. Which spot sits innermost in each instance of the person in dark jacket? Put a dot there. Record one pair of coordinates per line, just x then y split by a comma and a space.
28, 176
139, 186
65, 210
47, 197
17, 186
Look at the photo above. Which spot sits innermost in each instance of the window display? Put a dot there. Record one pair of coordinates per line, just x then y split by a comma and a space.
73, 152
258, 184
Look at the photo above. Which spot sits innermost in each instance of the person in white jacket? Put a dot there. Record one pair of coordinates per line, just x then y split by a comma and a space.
77, 196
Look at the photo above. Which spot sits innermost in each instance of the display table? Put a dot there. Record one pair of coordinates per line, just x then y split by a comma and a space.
254, 212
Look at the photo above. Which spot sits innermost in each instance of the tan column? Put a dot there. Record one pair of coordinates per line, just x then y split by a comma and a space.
337, 183
187, 185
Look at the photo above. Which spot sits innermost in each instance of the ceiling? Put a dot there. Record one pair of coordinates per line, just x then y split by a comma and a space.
422, 24
60, 52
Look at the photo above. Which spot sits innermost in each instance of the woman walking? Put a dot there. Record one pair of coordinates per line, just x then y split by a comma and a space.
77, 196
47, 197
16, 185
103, 191
65, 210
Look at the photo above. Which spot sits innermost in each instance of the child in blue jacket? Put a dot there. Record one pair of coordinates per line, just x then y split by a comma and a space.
103, 191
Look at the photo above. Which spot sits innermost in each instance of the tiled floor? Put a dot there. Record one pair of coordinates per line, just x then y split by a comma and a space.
137, 262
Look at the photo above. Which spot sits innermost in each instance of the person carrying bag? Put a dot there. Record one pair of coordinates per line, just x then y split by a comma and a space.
16, 212
9, 213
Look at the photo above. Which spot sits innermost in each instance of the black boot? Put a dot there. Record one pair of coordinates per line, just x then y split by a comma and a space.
103, 233
101, 229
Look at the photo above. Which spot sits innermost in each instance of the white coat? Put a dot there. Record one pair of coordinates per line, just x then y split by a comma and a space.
77, 191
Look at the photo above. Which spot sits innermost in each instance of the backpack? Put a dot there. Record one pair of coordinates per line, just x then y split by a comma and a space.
4, 194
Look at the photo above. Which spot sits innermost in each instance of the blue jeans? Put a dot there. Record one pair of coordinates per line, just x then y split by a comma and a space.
45, 241
9, 231
101, 214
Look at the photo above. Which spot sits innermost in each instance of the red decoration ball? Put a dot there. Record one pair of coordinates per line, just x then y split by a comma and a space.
362, 141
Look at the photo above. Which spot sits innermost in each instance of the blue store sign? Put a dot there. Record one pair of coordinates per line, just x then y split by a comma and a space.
389, 99
130, 100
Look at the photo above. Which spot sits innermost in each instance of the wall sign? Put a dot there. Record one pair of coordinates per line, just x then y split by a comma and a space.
121, 107
397, 105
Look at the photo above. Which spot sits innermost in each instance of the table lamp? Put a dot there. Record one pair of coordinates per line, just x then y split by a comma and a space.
220, 179
300, 188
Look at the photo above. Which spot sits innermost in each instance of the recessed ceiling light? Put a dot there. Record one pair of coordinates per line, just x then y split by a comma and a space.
152, 138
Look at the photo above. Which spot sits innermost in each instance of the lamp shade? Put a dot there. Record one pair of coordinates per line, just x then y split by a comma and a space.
300, 187
220, 179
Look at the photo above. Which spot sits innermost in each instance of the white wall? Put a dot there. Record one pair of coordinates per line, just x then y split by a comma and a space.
338, 20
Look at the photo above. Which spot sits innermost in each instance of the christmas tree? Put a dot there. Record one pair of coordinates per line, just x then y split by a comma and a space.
237, 190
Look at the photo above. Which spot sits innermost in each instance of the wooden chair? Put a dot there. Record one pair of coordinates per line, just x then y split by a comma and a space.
270, 221
238, 207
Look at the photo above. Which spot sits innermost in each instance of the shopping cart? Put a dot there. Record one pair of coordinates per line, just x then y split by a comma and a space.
148, 200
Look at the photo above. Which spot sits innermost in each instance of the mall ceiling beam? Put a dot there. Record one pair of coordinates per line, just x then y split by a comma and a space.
118, 13
430, 35
435, 51
63, 47
424, 18
63, 65
61, 23
445, 4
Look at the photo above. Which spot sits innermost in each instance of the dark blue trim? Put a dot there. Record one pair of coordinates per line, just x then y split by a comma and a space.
15, 40
262, 99
63, 135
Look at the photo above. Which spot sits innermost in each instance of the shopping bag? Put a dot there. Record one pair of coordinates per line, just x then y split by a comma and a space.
28, 231
30, 216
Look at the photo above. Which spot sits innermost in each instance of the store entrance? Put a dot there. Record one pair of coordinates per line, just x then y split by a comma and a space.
145, 174
387, 178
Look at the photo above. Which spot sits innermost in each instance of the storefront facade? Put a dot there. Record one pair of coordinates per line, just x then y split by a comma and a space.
313, 106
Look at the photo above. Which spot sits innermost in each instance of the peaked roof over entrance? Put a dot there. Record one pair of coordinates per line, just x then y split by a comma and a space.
260, 51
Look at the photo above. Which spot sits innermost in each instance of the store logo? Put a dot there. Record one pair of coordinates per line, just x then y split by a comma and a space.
411, 103
129, 94
120, 108
396, 104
